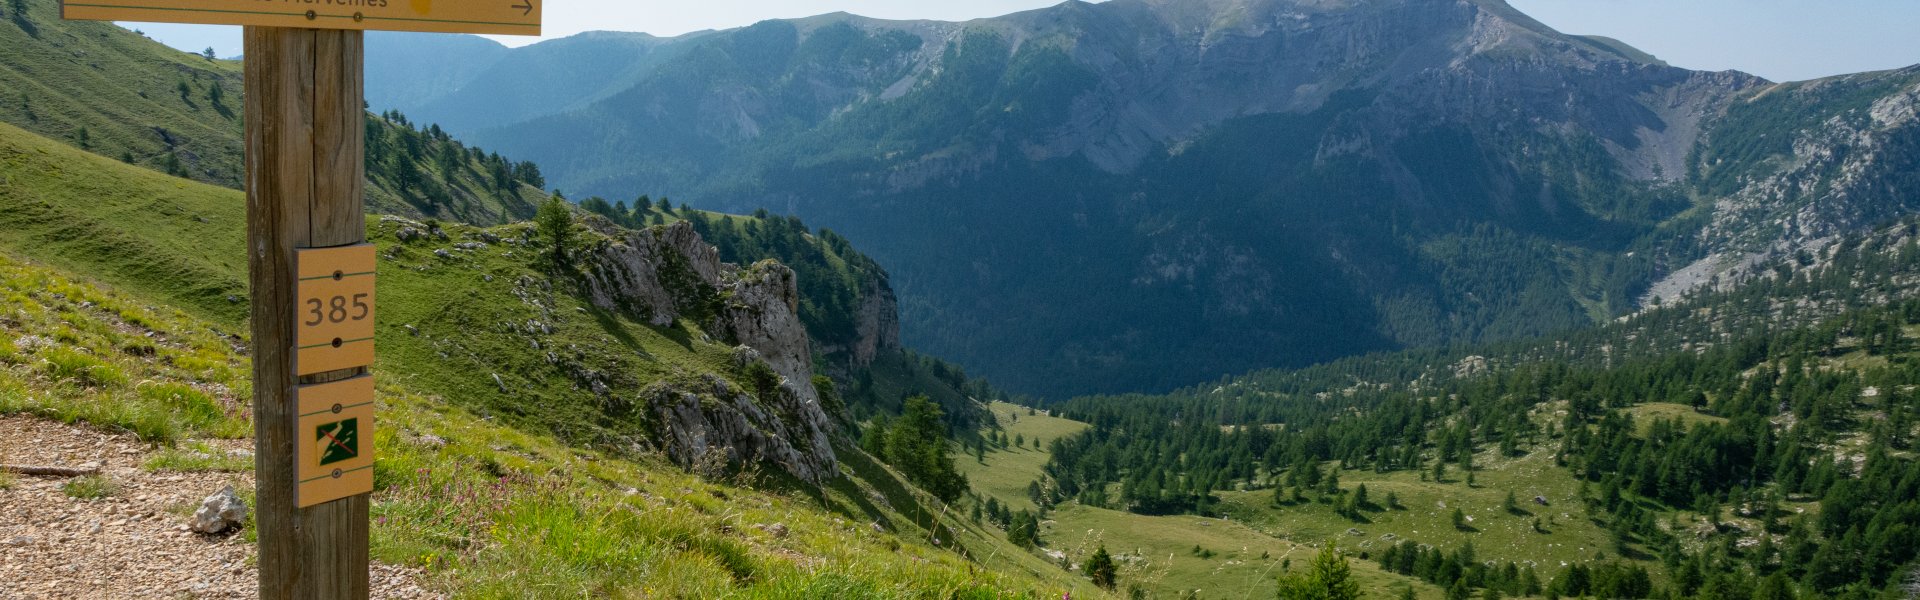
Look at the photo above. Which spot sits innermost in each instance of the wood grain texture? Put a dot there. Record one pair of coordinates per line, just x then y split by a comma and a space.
305, 169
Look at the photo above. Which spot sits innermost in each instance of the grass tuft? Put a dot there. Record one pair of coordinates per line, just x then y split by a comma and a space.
189, 405
197, 458
69, 364
90, 487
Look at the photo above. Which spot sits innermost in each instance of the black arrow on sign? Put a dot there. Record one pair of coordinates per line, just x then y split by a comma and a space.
526, 8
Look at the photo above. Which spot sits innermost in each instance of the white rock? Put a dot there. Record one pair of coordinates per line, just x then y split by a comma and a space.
219, 513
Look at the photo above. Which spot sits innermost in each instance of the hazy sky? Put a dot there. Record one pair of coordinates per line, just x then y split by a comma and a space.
1778, 39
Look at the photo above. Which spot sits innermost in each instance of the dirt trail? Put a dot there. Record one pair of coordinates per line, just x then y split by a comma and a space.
132, 544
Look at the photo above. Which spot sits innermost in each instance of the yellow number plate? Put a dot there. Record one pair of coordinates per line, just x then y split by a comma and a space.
334, 315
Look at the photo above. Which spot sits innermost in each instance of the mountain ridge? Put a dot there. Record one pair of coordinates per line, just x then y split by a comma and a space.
1228, 176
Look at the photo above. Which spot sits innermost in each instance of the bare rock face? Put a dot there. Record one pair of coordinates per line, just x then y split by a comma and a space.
658, 273
1839, 175
876, 326
667, 273
712, 426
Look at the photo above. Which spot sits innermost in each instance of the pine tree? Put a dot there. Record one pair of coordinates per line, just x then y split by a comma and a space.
1101, 569
1023, 529
1775, 587
555, 224
1458, 591
874, 440
1328, 578
917, 445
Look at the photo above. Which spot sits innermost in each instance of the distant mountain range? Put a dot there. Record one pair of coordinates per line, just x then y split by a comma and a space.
1142, 194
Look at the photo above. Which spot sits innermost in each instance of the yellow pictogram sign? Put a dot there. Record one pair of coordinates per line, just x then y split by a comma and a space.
334, 440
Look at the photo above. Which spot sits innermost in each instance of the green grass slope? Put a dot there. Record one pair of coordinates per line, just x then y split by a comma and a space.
488, 510
1004, 473
498, 493
124, 90
178, 241
1165, 556
1425, 513
107, 90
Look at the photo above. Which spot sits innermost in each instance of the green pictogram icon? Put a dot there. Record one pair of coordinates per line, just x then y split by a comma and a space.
338, 441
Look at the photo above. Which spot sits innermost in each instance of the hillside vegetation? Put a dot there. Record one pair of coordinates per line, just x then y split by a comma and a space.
1764, 432
112, 92
497, 490
488, 510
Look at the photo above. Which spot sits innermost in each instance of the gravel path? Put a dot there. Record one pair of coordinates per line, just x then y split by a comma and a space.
133, 543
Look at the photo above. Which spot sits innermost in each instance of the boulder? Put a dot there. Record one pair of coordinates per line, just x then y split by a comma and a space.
219, 513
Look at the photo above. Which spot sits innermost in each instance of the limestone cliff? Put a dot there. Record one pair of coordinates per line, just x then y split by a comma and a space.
876, 327
766, 412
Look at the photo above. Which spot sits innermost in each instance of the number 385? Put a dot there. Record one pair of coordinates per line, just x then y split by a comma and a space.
338, 309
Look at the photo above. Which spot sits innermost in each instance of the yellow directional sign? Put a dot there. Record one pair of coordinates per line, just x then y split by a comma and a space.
511, 17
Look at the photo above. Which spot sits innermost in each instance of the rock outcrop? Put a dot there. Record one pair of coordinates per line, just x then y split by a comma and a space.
1845, 165
876, 326
771, 413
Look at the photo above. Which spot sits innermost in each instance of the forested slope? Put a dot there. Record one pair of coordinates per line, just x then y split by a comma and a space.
1723, 438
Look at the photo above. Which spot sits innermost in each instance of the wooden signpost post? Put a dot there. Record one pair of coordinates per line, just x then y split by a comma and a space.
311, 270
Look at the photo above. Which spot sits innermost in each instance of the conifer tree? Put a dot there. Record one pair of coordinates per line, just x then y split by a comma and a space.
555, 224
1458, 591
1328, 578
1101, 570
917, 445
